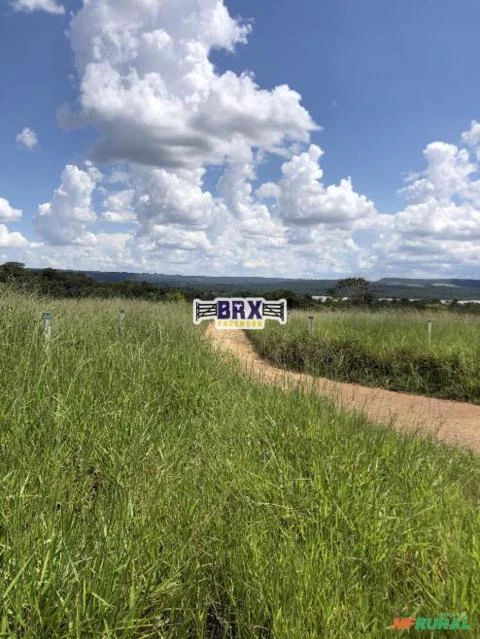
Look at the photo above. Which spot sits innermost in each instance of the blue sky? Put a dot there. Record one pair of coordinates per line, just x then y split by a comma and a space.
382, 80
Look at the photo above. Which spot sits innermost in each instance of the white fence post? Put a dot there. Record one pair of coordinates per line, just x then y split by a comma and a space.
430, 324
121, 321
47, 328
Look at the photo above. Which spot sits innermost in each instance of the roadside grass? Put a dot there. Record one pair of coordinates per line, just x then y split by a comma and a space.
388, 349
149, 489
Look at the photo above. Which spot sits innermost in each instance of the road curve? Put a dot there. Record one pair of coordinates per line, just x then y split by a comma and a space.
449, 421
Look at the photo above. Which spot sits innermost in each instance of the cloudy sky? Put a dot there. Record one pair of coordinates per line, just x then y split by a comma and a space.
241, 137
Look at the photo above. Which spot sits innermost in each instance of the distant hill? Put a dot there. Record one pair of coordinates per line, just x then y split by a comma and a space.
447, 289
220, 284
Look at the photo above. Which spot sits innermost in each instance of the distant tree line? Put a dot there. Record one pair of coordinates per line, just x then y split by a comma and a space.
66, 284
348, 292
61, 284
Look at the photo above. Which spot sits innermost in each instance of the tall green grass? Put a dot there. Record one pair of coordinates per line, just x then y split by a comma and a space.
149, 489
388, 349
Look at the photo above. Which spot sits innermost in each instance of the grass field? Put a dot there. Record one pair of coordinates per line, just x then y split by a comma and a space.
148, 489
389, 349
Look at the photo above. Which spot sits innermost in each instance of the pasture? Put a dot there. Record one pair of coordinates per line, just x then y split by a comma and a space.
389, 349
149, 489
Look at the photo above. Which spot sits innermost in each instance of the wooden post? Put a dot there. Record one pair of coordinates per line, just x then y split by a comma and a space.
430, 324
47, 328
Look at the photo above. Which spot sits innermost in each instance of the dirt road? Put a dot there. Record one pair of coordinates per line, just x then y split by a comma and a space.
452, 422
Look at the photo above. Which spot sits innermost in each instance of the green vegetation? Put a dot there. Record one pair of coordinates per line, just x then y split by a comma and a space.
149, 489
388, 349
68, 285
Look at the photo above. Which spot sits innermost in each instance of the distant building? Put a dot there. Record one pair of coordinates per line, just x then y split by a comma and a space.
390, 300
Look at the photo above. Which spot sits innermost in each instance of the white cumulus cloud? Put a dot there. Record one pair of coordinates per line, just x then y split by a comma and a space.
64, 220
119, 207
7, 212
50, 6
302, 199
11, 240
439, 229
147, 82
27, 138
472, 137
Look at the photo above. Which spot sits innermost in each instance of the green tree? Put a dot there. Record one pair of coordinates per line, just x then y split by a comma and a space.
357, 289
14, 272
